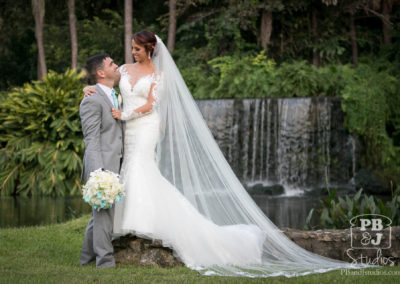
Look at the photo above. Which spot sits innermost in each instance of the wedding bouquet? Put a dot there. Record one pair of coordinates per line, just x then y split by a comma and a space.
102, 189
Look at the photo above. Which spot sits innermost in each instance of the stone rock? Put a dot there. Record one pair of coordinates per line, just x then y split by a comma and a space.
159, 257
136, 251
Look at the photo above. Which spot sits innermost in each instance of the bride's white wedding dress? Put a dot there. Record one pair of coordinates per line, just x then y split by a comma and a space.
181, 190
155, 209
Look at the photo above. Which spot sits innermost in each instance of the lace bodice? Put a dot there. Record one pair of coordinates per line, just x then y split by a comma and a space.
135, 94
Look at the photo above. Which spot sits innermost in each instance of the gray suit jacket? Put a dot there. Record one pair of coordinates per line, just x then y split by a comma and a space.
102, 134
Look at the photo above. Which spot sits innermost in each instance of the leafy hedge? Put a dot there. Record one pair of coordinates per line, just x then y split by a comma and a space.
41, 140
260, 77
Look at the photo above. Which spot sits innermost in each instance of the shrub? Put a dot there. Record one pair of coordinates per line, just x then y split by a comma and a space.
248, 77
41, 137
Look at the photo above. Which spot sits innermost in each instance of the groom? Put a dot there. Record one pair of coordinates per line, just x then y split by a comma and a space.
102, 135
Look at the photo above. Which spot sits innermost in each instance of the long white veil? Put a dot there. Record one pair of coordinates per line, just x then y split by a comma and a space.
189, 158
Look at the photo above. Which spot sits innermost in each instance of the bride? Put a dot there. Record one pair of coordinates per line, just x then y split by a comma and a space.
181, 190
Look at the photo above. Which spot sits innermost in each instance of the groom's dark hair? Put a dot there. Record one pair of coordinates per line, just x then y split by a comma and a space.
93, 64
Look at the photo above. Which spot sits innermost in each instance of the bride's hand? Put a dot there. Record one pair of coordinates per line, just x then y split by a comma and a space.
116, 113
88, 91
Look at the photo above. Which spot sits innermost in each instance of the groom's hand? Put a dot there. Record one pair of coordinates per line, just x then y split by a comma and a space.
89, 91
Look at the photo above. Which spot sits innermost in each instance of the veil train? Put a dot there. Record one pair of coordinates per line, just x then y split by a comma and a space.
189, 158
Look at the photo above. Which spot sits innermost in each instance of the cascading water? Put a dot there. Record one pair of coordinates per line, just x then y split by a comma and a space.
299, 143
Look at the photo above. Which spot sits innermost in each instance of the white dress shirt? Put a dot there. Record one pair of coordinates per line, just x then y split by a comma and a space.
107, 90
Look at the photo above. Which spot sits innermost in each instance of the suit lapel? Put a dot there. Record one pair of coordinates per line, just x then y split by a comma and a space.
103, 95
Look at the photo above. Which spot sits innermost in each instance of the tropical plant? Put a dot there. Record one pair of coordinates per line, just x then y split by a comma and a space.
336, 212
41, 141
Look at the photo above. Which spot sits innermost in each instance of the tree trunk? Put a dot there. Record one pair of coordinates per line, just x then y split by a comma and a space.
282, 45
38, 14
266, 28
353, 39
314, 30
72, 31
386, 28
172, 25
128, 31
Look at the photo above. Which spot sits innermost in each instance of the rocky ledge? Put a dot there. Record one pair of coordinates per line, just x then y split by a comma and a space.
335, 244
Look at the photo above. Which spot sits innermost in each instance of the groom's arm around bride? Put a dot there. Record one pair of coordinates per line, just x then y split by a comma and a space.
103, 149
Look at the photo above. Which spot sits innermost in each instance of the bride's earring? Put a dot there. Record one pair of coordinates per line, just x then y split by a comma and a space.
149, 55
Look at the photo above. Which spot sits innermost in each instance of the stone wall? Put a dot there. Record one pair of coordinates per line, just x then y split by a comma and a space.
336, 243
330, 243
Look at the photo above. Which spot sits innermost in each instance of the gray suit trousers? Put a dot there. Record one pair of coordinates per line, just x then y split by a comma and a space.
97, 243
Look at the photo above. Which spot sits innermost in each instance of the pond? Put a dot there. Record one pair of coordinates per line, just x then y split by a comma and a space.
30, 211
25, 211
283, 211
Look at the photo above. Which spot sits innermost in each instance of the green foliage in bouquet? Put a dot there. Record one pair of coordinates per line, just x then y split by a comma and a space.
336, 212
41, 140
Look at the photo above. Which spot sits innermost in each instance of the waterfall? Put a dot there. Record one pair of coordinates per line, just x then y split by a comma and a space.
298, 143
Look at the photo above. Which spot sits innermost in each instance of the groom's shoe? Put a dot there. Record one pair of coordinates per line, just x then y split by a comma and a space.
92, 261
104, 258
105, 264
87, 257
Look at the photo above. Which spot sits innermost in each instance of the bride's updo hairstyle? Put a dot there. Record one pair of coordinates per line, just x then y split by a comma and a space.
146, 39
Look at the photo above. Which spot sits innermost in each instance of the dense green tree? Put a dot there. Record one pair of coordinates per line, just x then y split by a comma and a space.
319, 31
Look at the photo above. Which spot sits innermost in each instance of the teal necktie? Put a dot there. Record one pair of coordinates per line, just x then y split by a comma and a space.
114, 98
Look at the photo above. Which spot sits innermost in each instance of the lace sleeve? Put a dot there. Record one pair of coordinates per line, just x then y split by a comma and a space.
156, 79
156, 93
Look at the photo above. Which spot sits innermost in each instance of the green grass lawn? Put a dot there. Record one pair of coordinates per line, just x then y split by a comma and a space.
50, 254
